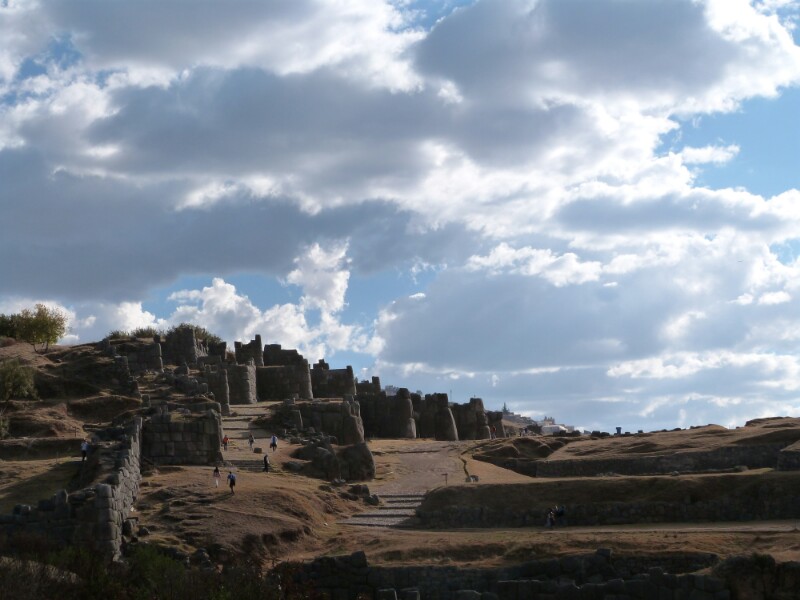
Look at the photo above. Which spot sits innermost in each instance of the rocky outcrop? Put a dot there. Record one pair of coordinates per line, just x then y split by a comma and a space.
350, 463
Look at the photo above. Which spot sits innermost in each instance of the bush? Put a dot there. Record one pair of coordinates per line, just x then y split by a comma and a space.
200, 333
16, 380
118, 334
145, 332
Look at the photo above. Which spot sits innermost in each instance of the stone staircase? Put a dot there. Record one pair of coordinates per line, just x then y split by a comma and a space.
395, 510
248, 465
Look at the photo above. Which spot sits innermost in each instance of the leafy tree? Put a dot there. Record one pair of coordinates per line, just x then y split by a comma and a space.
42, 325
8, 326
16, 381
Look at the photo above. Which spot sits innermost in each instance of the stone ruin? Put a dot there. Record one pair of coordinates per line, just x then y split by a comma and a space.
318, 425
332, 383
191, 436
98, 515
342, 420
93, 517
263, 372
285, 374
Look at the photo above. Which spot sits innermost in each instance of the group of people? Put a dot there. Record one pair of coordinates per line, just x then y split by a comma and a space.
231, 479
556, 516
250, 442
273, 444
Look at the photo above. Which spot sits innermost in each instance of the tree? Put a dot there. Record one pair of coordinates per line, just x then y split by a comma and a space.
42, 325
16, 381
8, 326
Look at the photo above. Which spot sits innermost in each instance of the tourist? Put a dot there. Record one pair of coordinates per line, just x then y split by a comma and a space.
266, 462
232, 480
274, 443
84, 449
250, 441
550, 521
225, 441
561, 513
494, 432
216, 476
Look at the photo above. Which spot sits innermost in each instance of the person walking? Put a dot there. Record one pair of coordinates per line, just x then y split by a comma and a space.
216, 476
250, 441
232, 481
274, 442
225, 441
266, 463
84, 449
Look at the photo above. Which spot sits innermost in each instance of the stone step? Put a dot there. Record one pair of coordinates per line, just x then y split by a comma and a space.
386, 512
399, 505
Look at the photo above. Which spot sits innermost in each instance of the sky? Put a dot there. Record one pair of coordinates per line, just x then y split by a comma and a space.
586, 209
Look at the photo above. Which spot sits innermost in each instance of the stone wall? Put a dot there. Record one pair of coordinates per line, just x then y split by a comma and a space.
598, 575
387, 417
180, 346
171, 438
763, 497
217, 380
433, 416
332, 383
252, 351
279, 382
471, 421
141, 357
286, 375
94, 516
241, 383
697, 461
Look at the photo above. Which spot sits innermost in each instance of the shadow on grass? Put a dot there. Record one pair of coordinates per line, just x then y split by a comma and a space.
39, 486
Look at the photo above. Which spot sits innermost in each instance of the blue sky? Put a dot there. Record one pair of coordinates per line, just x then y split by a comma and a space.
582, 209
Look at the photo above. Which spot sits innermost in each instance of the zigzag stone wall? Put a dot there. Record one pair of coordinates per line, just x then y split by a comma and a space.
94, 516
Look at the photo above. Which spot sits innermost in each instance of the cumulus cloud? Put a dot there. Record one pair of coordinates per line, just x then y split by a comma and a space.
507, 159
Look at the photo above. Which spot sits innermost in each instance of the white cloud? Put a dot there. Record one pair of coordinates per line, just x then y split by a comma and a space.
774, 298
709, 154
510, 162
319, 272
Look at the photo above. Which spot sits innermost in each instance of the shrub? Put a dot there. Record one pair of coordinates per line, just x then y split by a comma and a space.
200, 333
145, 332
16, 380
118, 334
